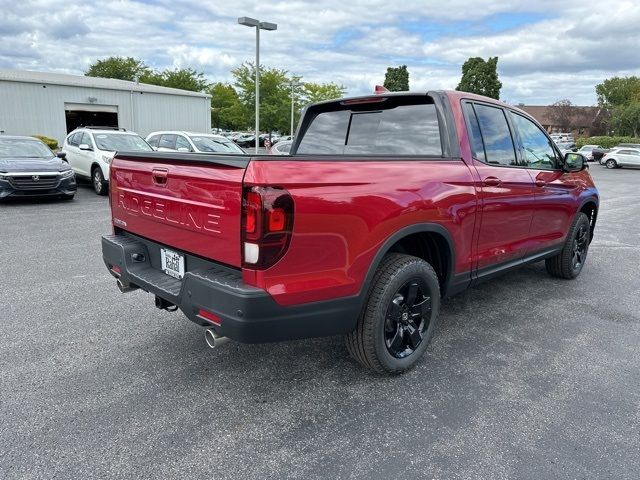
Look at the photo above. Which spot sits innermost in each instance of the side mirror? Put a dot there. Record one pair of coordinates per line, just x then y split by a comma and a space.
85, 147
574, 162
155, 149
62, 155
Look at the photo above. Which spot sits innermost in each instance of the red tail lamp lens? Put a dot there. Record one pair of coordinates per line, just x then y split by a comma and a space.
267, 226
253, 208
277, 220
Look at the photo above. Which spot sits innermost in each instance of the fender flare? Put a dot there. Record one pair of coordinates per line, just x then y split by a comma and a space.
400, 234
591, 199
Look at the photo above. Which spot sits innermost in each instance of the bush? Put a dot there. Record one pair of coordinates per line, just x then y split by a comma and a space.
606, 142
52, 143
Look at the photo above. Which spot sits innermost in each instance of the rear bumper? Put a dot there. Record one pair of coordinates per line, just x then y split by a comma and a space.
247, 314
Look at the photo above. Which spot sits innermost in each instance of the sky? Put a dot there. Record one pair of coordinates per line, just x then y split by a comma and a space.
548, 50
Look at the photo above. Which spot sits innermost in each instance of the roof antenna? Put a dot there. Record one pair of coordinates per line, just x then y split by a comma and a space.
380, 90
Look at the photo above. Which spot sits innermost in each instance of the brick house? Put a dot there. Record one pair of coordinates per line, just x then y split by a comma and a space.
583, 121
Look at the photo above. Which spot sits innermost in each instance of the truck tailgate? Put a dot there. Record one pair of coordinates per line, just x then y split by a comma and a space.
189, 202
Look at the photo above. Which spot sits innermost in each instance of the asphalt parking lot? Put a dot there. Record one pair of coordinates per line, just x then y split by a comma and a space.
526, 376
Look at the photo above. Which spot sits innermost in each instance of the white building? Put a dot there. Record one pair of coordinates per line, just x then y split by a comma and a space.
53, 104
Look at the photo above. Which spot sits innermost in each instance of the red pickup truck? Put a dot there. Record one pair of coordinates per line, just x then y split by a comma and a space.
386, 204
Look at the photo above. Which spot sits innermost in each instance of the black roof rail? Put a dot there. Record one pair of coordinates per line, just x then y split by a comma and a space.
103, 127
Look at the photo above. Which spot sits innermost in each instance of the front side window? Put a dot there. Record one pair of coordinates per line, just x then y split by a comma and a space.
86, 139
153, 141
496, 136
390, 127
167, 141
537, 149
182, 144
75, 138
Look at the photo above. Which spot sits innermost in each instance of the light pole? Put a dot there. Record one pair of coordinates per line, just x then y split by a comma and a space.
252, 22
293, 85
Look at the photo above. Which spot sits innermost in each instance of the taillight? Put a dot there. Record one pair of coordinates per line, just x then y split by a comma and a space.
267, 223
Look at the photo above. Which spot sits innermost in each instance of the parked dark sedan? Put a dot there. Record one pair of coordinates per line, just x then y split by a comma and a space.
28, 168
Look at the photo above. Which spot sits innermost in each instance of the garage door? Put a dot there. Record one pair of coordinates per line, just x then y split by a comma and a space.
85, 115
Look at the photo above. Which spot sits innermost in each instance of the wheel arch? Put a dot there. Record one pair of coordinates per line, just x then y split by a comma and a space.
410, 240
590, 208
95, 165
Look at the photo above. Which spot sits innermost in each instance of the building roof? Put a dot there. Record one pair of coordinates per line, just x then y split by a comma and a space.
582, 116
91, 82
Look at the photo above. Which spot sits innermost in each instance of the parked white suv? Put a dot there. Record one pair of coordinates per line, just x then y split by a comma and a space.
178, 141
621, 157
90, 151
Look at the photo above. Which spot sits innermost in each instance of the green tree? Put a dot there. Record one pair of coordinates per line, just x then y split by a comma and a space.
481, 77
618, 91
622, 96
625, 119
131, 69
319, 92
227, 111
275, 95
182, 78
397, 79
121, 68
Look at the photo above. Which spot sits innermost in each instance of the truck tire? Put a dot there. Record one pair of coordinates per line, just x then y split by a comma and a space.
97, 180
398, 318
569, 262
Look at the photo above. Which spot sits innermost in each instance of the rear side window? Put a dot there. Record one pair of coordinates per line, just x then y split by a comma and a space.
153, 141
475, 136
496, 135
390, 127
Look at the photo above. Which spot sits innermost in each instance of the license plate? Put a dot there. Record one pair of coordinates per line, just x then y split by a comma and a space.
172, 263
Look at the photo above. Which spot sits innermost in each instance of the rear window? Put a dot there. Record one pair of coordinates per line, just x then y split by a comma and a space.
395, 126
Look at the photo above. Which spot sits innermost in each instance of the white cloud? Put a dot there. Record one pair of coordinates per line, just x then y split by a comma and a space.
549, 51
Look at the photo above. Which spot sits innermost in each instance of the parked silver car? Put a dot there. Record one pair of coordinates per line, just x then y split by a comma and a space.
587, 151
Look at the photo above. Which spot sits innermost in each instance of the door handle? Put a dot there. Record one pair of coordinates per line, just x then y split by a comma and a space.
492, 181
159, 176
540, 183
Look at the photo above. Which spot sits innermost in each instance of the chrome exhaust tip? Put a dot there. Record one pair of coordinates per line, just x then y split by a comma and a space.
213, 339
126, 288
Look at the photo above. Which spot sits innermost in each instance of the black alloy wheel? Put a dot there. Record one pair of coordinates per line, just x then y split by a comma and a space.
399, 315
568, 263
580, 246
407, 318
